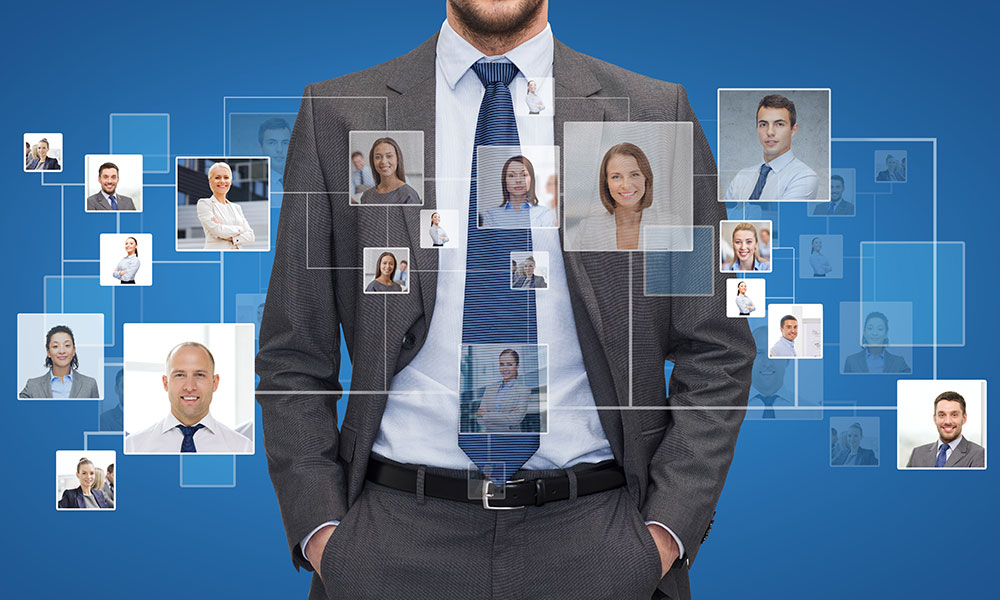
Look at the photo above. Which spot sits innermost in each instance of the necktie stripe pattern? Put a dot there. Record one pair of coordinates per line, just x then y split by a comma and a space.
188, 444
494, 313
942, 456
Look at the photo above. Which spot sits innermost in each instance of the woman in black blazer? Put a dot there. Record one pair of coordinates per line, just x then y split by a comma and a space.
874, 341
84, 496
44, 162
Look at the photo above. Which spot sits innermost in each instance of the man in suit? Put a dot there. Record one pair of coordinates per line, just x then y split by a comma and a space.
851, 453
632, 492
107, 199
837, 205
272, 138
951, 449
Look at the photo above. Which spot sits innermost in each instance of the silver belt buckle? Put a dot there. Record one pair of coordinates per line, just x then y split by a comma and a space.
490, 491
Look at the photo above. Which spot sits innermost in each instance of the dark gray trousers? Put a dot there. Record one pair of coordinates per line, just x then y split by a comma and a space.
400, 545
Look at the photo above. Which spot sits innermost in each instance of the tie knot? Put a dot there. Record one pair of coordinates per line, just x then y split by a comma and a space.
944, 447
491, 73
765, 169
188, 431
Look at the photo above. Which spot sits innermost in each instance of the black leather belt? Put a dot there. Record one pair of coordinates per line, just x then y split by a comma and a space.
517, 493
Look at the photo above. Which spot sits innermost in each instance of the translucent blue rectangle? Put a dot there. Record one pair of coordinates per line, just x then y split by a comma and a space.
81, 294
145, 134
683, 273
208, 471
904, 272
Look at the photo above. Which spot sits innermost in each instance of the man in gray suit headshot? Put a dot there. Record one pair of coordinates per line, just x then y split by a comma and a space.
613, 503
107, 199
951, 449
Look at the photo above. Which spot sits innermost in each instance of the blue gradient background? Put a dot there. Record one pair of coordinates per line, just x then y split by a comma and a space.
788, 526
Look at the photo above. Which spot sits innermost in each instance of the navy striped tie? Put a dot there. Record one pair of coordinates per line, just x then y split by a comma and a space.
495, 314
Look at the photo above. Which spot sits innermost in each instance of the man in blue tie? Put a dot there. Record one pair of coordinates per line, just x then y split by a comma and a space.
952, 449
398, 501
780, 176
108, 198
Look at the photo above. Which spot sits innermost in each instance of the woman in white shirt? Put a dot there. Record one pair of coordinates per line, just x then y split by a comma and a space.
626, 190
225, 226
127, 267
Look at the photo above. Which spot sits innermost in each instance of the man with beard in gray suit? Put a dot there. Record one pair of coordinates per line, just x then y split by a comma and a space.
951, 449
614, 503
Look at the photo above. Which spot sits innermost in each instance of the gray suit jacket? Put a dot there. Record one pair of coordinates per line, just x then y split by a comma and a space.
968, 454
675, 461
41, 387
99, 202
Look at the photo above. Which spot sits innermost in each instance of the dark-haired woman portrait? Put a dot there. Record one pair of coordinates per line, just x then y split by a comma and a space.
874, 357
386, 160
62, 379
127, 267
519, 207
385, 272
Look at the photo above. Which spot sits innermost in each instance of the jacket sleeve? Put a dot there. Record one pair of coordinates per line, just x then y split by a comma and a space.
300, 351
713, 356
246, 236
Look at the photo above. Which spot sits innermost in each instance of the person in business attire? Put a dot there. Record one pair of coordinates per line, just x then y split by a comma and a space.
385, 275
439, 237
402, 276
390, 176
361, 176
853, 453
535, 104
820, 264
743, 302
84, 495
112, 418
62, 379
272, 139
874, 357
764, 245
638, 520
951, 449
504, 405
769, 389
108, 198
189, 381
837, 205
519, 207
780, 176
529, 281
892, 171
745, 251
127, 267
785, 346
100, 483
43, 162
625, 184
28, 157
225, 226
108, 489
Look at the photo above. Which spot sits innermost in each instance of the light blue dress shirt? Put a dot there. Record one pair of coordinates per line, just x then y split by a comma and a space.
820, 264
129, 264
790, 179
783, 349
876, 363
61, 387
951, 447
745, 304
758, 265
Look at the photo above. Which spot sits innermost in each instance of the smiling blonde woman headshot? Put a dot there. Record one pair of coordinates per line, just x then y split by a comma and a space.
62, 379
225, 226
745, 250
86, 495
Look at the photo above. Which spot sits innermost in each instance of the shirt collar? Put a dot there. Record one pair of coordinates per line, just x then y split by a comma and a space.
53, 377
171, 422
455, 56
952, 445
782, 161
108, 196
788, 343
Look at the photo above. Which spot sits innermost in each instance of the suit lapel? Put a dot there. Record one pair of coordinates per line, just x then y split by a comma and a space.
74, 390
958, 454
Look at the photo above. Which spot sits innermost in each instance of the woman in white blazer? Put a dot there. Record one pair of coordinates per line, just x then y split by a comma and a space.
225, 226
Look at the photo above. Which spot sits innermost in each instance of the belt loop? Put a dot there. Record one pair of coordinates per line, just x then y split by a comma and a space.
421, 473
571, 475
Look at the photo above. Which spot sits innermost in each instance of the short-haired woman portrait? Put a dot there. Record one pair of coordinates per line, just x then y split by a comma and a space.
386, 161
225, 226
625, 189
62, 380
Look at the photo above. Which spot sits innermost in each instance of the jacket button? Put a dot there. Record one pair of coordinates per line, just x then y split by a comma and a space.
409, 341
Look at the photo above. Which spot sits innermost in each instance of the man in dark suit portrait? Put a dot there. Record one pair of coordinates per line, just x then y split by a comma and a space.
851, 452
951, 449
609, 503
837, 204
107, 199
